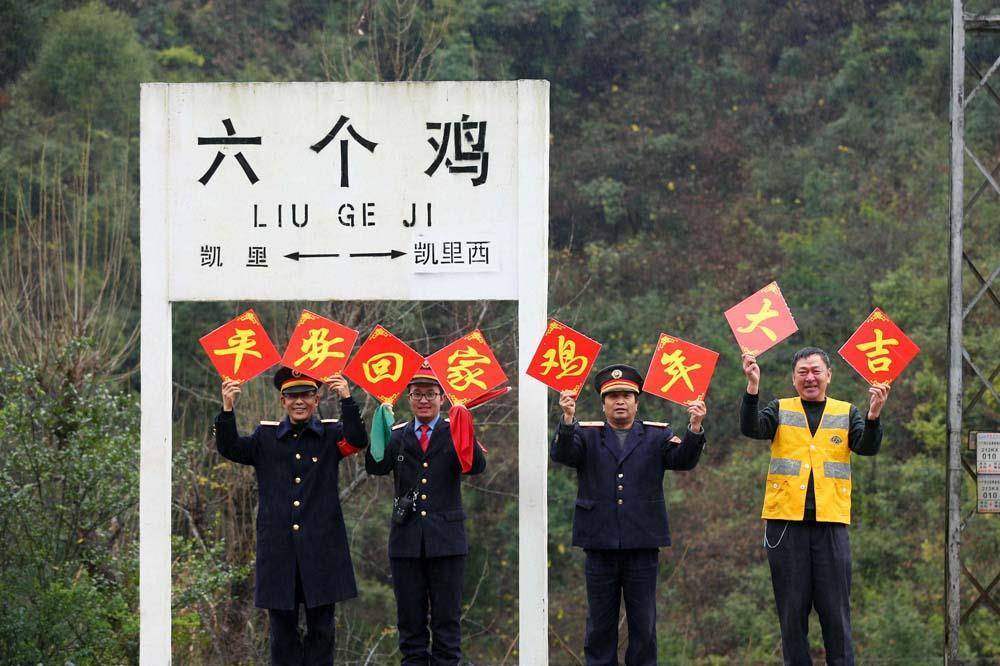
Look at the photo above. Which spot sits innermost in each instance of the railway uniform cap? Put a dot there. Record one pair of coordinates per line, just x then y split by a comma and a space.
617, 378
291, 381
424, 375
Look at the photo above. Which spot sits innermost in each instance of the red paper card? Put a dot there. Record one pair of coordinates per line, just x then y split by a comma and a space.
467, 368
879, 350
240, 348
564, 358
383, 365
761, 321
679, 371
319, 347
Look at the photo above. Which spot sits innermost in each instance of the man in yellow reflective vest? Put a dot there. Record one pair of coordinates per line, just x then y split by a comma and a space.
807, 502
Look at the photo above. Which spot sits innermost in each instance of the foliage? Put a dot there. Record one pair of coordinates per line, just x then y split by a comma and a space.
698, 151
89, 68
68, 495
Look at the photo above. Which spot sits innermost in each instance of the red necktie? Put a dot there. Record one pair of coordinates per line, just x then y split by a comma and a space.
425, 440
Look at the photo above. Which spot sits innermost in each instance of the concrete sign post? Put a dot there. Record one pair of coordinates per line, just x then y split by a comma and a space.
341, 191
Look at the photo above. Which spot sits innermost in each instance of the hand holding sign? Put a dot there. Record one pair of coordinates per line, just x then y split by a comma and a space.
230, 391
879, 393
567, 402
338, 385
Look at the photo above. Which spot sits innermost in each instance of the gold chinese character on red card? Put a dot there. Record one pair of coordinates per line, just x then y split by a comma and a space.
679, 371
564, 358
383, 366
467, 368
879, 350
319, 347
240, 348
761, 321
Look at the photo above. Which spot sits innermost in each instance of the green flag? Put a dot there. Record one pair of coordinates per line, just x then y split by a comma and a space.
382, 422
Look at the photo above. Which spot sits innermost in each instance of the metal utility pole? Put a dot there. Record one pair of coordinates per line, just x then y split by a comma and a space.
965, 252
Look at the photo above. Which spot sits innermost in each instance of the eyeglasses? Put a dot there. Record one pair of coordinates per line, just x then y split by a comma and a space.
418, 397
295, 396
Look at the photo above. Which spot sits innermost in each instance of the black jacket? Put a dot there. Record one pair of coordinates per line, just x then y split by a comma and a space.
438, 522
619, 501
297, 486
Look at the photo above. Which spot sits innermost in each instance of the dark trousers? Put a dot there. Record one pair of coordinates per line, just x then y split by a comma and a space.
612, 574
811, 568
287, 649
429, 586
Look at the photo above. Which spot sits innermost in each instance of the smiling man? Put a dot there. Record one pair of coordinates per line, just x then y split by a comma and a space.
621, 516
302, 552
807, 502
427, 544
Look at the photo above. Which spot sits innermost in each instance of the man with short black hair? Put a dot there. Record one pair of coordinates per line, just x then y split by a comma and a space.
302, 551
807, 502
621, 516
427, 544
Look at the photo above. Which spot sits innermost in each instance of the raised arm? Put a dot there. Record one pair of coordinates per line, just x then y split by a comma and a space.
754, 422
568, 447
683, 454
228, 442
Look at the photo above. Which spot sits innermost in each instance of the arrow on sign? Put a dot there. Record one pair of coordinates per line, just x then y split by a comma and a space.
391, 254
298, 255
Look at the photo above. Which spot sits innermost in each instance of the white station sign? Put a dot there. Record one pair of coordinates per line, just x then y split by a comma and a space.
343, 191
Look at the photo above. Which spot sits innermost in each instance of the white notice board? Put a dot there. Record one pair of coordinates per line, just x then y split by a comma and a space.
341, 191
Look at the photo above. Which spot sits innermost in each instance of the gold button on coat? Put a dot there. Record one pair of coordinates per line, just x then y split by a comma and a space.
295, 527
423, 497
423, 513
296, 503
423, 480
621, 501
298, 480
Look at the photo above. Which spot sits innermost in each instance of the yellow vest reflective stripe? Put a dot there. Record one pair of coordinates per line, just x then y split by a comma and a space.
795, 453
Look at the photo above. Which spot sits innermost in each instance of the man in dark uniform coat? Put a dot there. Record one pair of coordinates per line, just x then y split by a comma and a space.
621, 516
302, 552
427, 551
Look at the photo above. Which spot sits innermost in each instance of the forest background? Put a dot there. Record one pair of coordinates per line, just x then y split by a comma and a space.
699, 150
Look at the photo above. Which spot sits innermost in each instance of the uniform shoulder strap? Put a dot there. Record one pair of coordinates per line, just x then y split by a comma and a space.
270, 423
591, 424
657, 424
329, 420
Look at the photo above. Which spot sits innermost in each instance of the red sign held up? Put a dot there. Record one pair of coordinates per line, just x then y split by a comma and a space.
679, 371
761, 321
564, 358
879, 350
240, 349
319, 347
383, 365
467, 368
